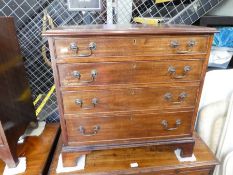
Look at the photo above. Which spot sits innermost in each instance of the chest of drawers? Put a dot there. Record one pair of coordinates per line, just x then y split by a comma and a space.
128, 86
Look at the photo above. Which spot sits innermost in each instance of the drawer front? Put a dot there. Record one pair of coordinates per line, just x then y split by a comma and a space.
141, 126
200, 172
128, 72
180, 172
89, 101
130, 46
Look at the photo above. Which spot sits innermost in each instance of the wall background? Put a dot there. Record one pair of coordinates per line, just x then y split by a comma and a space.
224, 9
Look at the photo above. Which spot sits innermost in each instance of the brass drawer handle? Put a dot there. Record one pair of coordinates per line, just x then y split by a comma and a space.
172, 71
94, 102
166, 127
181, 97
82, 130
77, 75
175, 44
74, 47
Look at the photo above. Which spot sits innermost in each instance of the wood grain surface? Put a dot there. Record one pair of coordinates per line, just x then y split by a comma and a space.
138, 45
154, 160
130, 72
124, 128
37, 151
131, 29
129, 99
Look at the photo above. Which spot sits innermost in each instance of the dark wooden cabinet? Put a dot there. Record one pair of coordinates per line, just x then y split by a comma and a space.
128, 86
16, 107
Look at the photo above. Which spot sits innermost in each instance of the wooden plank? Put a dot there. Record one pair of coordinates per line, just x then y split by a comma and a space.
37, 150
151, 160
132, 29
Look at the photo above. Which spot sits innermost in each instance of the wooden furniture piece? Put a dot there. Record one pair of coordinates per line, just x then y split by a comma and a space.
38, 150
152, 160
128, 86
16, 107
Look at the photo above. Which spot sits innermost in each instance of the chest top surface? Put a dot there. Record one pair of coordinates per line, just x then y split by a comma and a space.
131, 29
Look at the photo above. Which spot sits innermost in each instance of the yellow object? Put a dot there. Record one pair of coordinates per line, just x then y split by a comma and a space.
161, 1
151, 21
37, 99
46, 18
40, 107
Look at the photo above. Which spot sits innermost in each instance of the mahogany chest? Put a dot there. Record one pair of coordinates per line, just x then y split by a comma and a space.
128, 86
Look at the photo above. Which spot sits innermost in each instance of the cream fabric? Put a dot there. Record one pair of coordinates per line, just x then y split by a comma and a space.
215, 120
227, 168
210, 123
218, 86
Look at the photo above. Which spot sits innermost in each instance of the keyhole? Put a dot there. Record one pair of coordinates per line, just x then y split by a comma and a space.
134, 41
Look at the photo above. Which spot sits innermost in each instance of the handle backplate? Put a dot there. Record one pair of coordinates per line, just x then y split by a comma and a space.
95, 129
174, 75
94, 102
165, 125
93, 76
74, 47
190, 44
168, 97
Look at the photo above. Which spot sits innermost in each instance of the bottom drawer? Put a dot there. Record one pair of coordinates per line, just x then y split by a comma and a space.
180, 172
110, 129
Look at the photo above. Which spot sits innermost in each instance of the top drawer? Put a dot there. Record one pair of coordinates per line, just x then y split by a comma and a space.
130, 46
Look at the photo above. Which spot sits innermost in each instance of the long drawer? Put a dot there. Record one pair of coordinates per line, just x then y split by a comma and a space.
102, 128
130, 46
124, 99
107, 73
198, 171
